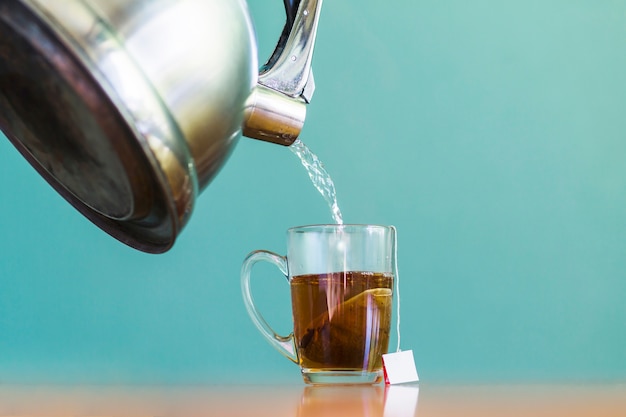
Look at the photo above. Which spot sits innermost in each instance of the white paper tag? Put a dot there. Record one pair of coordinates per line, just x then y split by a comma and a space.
399, 367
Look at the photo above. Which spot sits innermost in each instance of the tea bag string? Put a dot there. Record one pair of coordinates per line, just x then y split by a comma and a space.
395, 250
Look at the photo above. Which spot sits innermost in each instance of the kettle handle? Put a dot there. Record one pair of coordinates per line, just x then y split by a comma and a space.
291, 8
289, 68
276, 109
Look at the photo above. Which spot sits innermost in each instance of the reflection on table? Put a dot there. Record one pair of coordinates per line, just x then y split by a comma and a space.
425, 400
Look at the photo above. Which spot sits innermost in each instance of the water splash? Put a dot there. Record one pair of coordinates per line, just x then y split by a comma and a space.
319, 177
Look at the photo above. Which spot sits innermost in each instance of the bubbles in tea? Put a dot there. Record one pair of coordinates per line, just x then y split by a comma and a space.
342, 320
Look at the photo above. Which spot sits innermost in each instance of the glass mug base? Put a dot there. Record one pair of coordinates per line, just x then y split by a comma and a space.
340, 377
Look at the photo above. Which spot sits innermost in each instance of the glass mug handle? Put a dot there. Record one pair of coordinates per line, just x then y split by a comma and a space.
284, 344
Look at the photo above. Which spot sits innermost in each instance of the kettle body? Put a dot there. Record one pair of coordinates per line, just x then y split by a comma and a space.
130, 108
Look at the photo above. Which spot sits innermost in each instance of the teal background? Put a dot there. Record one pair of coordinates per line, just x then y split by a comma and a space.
491, 134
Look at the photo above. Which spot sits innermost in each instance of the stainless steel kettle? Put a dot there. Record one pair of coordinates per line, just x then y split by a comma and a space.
128, 108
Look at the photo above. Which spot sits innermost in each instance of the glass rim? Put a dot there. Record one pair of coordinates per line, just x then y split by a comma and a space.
334, 226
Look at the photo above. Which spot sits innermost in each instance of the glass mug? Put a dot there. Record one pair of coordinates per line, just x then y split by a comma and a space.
341, 279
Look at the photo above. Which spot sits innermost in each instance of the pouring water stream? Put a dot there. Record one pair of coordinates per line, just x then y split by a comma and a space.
319, 176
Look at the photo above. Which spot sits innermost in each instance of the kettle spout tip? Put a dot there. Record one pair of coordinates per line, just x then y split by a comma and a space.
273, 117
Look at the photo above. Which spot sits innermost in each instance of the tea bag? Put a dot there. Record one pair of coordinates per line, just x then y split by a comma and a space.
343, 336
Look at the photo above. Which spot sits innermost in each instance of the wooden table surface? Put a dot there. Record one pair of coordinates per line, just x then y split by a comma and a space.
422, 400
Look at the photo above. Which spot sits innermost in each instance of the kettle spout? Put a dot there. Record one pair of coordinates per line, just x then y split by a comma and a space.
276, 109
273, 117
